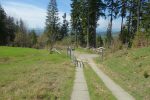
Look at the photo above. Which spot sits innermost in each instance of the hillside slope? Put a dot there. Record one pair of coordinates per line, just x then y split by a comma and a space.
130, 69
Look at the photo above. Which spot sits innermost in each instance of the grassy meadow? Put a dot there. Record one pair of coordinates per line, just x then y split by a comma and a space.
130, 69
30, 74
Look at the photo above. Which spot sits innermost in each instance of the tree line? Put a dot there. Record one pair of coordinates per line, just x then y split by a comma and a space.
14, 32
134, 14
85, 14
7, 28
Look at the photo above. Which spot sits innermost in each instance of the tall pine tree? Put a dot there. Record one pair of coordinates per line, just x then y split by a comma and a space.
113, 10
7, 28
84, 20
96, 9
52, 23
123, 4
3, 32
76, 20
64, 28
146, 16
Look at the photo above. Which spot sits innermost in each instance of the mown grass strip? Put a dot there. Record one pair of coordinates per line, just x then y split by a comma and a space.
96, 87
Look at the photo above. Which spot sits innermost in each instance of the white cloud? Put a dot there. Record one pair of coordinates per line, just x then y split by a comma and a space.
33, 16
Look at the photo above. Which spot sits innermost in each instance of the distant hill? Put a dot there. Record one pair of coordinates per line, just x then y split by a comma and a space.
38, 31
103, 34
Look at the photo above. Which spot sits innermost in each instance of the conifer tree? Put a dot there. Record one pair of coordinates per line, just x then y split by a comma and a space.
113, 10
3, 33
146, 16
76, 20
64, 28
52, 23
84, 20
96, 10
33, 37
21, 35
123, 4
99, 41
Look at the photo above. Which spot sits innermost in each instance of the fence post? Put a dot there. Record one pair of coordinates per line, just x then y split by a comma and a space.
80, 64
67, 51
101, 51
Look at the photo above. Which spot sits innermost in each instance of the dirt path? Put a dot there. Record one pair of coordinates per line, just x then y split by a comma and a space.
80, 89
116, 90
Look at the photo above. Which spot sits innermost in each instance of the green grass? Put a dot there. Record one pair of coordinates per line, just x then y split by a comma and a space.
84, 50
97, 89
30, 74
128, 68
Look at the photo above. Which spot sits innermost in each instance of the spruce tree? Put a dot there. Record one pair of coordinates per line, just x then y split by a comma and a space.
84, 15
76, 20
52, 23
64, 28
123, 4
11, 30
123, 36
21, 35
146, 16
96, 9
3, 32
33, 38
113, 10
99, 41
84, 20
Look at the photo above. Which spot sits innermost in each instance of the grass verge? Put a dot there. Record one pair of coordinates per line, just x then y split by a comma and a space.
96, 87
30, 74
130, 69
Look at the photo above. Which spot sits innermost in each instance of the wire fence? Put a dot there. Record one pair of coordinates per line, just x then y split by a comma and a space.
75, 61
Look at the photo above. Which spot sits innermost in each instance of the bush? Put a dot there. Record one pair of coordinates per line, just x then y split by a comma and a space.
141, 39
116, 45
146, 75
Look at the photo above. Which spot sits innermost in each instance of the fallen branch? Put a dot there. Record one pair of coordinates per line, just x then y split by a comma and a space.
55, 50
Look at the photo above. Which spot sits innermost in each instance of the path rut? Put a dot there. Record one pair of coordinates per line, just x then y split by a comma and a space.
80, 89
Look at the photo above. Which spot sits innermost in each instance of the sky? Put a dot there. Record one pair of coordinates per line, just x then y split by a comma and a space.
33, 12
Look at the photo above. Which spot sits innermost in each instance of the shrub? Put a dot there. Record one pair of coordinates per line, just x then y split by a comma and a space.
141, 39
116, 45
146, 75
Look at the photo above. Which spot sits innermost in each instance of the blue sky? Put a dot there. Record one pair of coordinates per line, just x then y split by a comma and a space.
33, 12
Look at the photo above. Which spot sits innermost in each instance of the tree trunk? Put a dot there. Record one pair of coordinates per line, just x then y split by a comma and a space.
88, 30
111, 19
87, 38
138, 14
94, 40
122, 24
76, 38
129, 26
